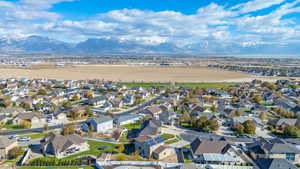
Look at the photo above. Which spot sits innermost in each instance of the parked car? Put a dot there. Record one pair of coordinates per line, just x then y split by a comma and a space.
24, 139
13, 137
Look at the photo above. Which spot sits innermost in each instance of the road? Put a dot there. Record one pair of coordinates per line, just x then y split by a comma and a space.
26, 131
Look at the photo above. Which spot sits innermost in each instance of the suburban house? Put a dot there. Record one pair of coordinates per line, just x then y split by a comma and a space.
216, 151
127, 119
275, 148
62, 146
164, 153
167, 117
101, 124
240, 120
3, 119
6, 145
151, 128
152, 110
11, 111
146, 145
97, 101
35, 119
282, 123
275, 163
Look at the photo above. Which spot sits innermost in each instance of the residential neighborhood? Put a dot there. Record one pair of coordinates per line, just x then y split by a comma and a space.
251, 125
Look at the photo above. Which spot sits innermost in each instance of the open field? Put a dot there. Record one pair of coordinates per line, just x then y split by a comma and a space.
130, 73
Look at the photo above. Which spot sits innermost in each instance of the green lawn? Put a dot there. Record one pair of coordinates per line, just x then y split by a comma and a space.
175, 140
58, 167
94, 150
167, 136
11, 127
34, 135
132, 126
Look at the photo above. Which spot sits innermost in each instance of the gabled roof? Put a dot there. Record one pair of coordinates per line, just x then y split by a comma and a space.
274, 146
29, 116
102, 119
277, 163
60, 143
200, 147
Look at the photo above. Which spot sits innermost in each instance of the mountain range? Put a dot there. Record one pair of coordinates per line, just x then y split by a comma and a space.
41, 44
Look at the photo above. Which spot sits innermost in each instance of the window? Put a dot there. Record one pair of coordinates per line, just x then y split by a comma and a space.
290, 156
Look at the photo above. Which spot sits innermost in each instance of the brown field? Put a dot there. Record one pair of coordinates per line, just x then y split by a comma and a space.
129, 73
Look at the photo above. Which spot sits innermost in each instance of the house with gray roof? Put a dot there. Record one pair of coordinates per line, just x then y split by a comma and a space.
6, 145
274, 148
275, 163
61, 146
101, 124
127, 119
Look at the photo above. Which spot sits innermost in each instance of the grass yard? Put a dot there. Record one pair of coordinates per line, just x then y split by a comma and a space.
132, 126
35, 135
57, 167
175, 140
167, 136
11, 127
94, 150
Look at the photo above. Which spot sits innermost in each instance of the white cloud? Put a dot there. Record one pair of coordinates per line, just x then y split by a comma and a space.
209, 24
255, 5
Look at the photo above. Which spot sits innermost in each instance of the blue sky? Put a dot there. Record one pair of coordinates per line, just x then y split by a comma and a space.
226, 23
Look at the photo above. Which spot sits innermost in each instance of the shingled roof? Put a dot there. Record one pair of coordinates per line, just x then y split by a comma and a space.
200, 147
60, 143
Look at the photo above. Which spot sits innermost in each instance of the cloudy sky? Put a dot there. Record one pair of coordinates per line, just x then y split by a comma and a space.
183, 22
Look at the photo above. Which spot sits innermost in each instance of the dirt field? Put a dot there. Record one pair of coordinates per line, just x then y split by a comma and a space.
130, 73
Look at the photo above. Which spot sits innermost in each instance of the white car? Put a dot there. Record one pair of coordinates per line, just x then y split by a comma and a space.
24, 139
13, 137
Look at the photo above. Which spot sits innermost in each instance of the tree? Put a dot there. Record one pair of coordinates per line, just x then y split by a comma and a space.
42, 92
46, 127
239, 128
237, 113
202, 122
250, 127
121, 148
185, 117
67, 104
89, 94
15, 152
213, 108
120, 157
74, 114
263, 115
75, 98
213, 124
258, 99
6, 102
25, 124
68, 129
291, 131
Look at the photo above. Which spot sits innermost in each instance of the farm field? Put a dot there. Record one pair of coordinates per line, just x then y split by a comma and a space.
125, 73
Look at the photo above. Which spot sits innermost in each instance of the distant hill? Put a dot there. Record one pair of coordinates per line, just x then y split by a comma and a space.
47, 45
